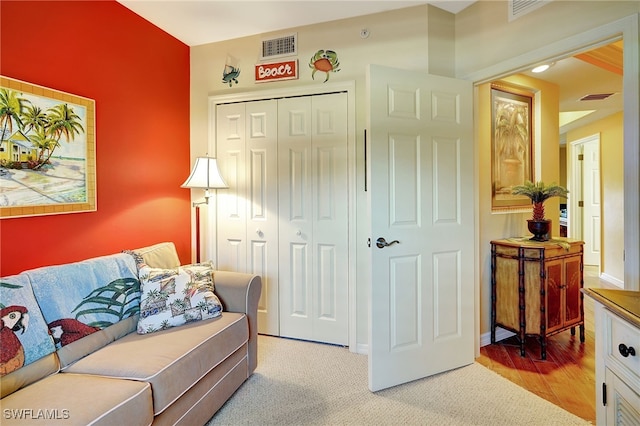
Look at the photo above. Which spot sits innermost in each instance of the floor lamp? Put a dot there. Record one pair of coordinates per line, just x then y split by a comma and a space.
204, 175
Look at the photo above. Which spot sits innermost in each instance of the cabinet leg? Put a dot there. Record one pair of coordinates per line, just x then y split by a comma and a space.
543, 347
581, 333
573, 331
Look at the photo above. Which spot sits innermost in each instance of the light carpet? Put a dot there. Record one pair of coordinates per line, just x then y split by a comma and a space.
302, 383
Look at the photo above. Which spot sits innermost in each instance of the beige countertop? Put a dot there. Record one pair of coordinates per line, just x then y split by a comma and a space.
625, 303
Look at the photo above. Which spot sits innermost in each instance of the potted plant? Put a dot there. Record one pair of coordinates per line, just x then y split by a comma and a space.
538, 193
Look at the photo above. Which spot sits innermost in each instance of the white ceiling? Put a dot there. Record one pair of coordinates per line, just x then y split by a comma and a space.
207, 21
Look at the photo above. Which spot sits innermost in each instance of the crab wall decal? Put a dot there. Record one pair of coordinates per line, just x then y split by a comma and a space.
230, 75
325, 61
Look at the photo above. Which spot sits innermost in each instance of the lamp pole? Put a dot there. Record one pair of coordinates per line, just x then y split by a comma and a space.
197, 207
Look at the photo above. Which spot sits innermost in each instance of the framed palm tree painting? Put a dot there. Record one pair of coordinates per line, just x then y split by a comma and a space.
47, 151
511, 146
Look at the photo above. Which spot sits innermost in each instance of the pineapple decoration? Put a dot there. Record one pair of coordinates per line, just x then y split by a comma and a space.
538, 193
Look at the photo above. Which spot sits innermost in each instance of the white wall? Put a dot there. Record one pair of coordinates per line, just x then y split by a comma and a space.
420, 38
488, 45
397, 39
485, 37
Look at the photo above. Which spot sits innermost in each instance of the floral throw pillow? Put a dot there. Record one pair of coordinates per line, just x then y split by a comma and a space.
174, 297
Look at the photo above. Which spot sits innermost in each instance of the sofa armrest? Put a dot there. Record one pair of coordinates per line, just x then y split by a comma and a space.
240, 292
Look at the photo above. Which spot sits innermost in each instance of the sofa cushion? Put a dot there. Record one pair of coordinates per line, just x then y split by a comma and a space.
174, 297
94, 401
162, 255
72, 352
79, 299
171, 360
24, 335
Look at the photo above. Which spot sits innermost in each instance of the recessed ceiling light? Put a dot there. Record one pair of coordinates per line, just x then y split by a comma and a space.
541, 68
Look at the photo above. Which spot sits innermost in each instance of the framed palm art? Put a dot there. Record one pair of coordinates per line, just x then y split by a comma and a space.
47, 151
511, 146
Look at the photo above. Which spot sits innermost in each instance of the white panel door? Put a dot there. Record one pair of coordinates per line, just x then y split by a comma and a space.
262, 207
232, 202
591, 197
312, 155
421, 194
248, 211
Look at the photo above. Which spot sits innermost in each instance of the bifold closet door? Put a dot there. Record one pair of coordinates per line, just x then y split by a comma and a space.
313, 213
247, 138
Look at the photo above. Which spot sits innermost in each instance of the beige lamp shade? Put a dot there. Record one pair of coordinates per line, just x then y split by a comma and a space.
205, 175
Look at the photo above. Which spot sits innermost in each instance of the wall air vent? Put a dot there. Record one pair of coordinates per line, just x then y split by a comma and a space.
518, 8
596, 96
282, 46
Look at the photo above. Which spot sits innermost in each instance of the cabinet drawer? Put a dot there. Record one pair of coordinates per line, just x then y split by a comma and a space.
620, 332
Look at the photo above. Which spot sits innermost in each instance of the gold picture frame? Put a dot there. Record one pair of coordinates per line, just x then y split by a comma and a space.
511, 146
47, 151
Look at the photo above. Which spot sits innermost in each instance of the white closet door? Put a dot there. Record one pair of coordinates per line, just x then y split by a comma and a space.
247, 138
232, 202
312, 150
262, 207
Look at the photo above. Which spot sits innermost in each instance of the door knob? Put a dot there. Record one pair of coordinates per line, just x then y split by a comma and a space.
382, 243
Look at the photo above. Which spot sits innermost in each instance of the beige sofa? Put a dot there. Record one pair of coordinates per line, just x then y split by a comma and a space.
61, 371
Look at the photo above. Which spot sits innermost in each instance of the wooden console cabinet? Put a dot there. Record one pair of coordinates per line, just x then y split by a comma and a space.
536, 288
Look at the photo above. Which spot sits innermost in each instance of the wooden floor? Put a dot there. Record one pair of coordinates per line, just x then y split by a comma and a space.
567, 377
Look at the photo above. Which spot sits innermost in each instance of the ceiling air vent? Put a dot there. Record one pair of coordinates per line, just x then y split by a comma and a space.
282, 46
596, 96
518, 8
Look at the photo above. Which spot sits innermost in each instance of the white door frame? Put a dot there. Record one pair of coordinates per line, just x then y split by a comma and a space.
627, 30
576, 186
350, 88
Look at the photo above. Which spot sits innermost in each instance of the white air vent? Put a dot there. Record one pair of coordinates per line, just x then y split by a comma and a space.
282, 46
596, 96
518, 8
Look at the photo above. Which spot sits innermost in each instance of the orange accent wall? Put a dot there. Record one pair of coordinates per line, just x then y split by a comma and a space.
139, 77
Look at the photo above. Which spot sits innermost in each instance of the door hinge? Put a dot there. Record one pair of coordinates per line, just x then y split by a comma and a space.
604, 394
580, 157
580, 203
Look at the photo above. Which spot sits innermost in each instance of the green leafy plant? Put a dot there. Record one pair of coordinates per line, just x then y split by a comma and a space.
538, 193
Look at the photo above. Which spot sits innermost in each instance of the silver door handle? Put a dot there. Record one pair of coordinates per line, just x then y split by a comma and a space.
382, 243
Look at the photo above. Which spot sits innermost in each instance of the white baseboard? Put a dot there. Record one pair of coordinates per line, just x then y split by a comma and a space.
362, 348
501, 334
612, 280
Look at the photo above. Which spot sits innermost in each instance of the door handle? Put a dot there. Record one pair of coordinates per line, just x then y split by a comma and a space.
625, 350
382, 243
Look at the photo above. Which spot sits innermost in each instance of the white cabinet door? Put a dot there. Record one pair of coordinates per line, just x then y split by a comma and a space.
312, 146
623, 404
421, 174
